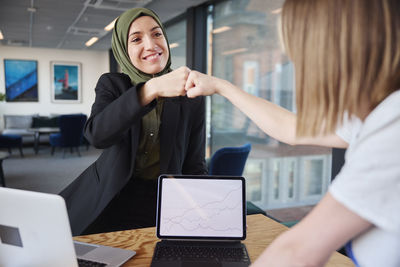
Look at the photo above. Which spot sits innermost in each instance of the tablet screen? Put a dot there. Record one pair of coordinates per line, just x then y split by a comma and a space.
201, 207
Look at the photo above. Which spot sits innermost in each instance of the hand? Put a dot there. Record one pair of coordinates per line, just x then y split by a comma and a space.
200, 84
168, 85
171, 84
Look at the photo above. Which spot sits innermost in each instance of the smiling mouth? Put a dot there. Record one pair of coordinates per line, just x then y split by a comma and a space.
152, 56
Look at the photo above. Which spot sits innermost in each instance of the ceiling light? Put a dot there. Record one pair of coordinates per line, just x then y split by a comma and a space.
276, 11
91, 41
234, 51
110, 26
221, 29
31, 9
173, 45
1, 36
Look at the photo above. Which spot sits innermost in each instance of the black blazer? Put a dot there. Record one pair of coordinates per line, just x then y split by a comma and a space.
114, 125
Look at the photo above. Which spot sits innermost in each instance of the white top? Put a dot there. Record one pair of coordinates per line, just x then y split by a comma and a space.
369, 182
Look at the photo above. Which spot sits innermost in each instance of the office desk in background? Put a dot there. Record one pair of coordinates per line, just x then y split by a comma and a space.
261, 231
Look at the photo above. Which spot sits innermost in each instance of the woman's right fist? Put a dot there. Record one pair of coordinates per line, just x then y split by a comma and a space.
171, 84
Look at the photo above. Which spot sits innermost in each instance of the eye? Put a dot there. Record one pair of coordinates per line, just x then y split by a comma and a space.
135, 40
158, 34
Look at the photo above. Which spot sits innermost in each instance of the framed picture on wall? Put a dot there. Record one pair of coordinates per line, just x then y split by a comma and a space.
66, 82
21, 78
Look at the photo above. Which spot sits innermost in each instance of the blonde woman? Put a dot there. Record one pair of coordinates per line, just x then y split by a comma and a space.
347, 61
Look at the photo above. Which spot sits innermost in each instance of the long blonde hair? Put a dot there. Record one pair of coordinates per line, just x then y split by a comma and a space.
346, 55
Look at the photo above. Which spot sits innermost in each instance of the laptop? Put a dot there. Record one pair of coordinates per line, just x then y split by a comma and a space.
201, 221
35, 231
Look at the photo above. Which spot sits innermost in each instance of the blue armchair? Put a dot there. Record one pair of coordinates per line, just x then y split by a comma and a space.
229, 160
71, 133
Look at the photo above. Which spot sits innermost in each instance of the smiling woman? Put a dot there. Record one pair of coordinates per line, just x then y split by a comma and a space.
147, 46
146, 126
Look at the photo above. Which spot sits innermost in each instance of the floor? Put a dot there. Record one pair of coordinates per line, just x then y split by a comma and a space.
44, 172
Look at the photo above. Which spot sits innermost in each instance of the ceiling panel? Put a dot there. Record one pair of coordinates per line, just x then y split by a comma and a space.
68, 24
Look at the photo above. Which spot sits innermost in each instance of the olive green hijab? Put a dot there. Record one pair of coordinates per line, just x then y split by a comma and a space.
119, 44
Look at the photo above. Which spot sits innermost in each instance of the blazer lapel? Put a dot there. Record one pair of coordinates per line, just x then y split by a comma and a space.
169, 124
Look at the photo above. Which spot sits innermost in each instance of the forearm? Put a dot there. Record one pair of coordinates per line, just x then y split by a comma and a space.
312, 241
286, 250
147, 93
274, 120
167, 85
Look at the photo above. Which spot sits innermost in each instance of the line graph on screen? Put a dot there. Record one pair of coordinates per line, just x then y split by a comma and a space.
202, 208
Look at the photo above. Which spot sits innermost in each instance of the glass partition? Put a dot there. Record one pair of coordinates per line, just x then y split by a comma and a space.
176, 33
244, 49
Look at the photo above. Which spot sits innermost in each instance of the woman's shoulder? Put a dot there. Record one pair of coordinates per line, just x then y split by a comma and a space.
382, 125
115, 82
115, 77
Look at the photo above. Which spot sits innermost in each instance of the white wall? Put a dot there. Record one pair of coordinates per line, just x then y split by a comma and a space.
93, 64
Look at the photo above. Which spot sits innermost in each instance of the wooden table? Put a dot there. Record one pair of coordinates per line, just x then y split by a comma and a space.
260, 232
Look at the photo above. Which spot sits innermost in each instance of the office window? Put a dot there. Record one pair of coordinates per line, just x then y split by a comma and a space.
176, 33
244, 49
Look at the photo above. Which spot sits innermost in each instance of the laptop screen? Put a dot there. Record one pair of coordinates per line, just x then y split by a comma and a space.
201, 207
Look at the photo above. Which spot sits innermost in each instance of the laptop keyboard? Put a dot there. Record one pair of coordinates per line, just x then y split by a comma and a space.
201, 253
87, 263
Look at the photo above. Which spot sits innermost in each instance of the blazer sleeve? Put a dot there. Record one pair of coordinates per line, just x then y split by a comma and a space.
194, 162
115, 110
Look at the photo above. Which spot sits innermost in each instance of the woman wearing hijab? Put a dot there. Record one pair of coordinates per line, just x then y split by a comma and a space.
146, 127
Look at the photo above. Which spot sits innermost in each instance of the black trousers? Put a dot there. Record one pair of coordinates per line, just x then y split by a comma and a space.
134, 207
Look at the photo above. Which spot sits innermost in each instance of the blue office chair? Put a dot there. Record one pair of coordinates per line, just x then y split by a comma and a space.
71, 133
231, 161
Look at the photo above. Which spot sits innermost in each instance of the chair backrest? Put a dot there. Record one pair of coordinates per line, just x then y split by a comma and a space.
71, 129
229, 160
337, 161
